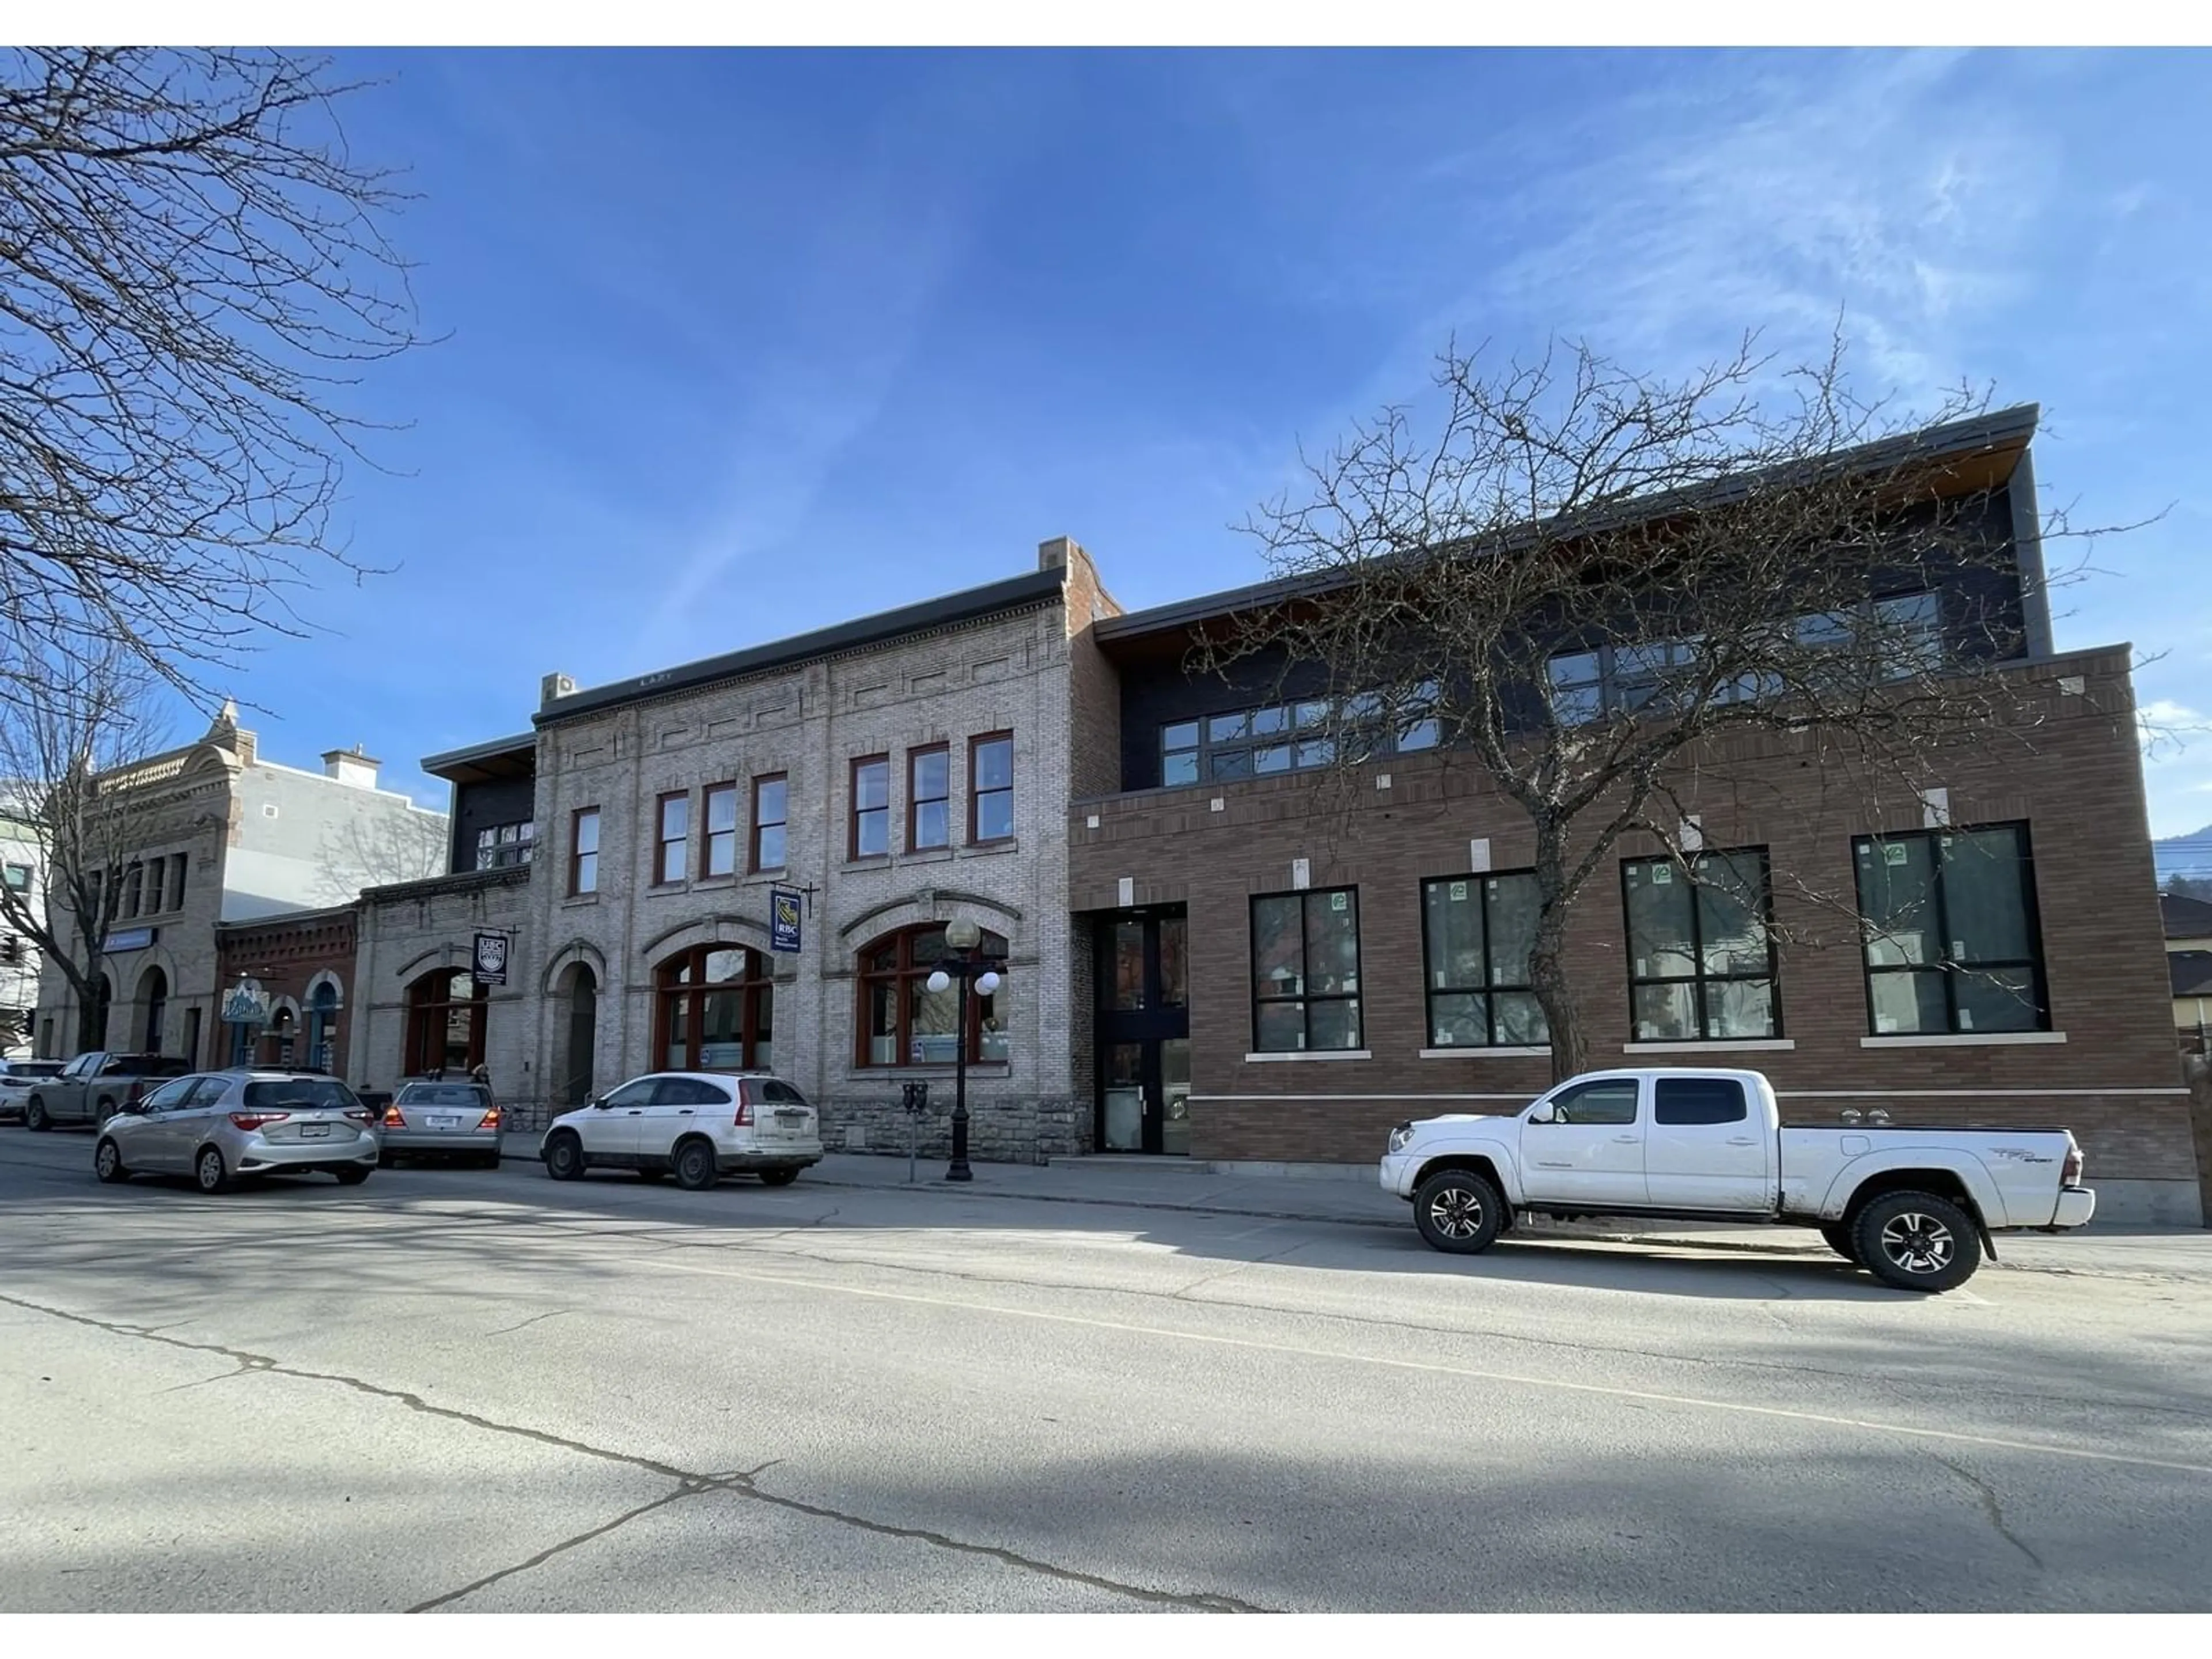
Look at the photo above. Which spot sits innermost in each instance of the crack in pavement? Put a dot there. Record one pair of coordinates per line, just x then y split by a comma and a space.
686, 1490
690, 1486
660, 1237
509, 1330
1991, 1509
1188, 1292
687, 1483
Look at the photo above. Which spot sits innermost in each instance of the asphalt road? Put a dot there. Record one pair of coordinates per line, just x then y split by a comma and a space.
482, 1391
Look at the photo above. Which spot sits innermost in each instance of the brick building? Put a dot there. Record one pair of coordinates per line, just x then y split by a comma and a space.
208, 836
298, 967
1276, 980
896, 773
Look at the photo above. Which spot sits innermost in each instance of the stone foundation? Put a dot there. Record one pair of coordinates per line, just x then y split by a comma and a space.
1000, 1129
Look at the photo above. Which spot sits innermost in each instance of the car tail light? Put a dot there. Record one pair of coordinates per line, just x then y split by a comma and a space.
2070, 1173
137, 1090
393, 1119
255, 1119
744, 1111
490, 1119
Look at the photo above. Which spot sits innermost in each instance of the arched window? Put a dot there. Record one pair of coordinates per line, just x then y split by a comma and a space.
714, 1011
902, 1022
154, 992
323, 1028
444, 1023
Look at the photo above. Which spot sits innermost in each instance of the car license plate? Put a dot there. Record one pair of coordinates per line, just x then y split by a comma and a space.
444, 1121
313, 1131
791, 1117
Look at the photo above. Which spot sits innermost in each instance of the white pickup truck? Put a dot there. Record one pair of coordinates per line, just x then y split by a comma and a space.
1914, 1206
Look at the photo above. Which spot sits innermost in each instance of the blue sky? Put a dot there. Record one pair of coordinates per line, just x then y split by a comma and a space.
739, 343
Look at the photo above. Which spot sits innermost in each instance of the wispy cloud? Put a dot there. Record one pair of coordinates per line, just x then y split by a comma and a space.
2177, 750
1883, 183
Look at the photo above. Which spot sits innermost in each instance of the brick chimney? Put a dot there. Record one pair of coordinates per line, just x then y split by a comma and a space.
351, 766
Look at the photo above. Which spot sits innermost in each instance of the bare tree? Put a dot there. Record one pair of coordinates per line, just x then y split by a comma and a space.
192, 270
1595, 584
65, 761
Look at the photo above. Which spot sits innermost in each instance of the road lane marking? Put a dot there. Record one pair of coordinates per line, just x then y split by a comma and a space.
1953, 1437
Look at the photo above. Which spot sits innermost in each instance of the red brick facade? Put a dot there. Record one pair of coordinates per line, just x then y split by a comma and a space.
290, 958
2069, 769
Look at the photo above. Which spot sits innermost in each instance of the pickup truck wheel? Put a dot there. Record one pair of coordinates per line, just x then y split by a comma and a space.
1917, 1241
564, 1157
694, 1166
1838, 1235
35, 1118
1458, 1212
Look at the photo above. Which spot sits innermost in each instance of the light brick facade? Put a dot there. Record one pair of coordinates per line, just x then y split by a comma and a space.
953, 672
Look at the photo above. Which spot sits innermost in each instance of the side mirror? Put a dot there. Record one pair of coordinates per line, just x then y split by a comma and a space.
1543, 1114
598, 1105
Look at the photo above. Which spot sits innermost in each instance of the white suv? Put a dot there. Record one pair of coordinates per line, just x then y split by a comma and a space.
701, 1126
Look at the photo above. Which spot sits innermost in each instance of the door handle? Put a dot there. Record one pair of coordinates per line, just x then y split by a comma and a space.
685, 1112
1741, 1140
1625, 1140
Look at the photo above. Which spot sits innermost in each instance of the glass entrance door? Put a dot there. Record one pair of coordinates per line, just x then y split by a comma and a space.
1144, 1033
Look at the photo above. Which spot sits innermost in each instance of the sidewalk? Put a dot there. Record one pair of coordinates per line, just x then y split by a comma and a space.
2175, 1253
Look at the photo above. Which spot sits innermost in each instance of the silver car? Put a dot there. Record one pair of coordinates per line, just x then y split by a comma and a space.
441, 1120
217, 1126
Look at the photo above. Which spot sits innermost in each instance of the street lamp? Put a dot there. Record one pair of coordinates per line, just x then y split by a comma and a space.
961, 963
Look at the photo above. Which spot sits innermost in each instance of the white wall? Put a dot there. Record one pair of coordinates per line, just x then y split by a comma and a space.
303, 842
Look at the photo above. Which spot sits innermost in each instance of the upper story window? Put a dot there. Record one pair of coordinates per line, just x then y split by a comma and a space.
928, 798
500, 846
870, 835
1883, 639
1305, 971
1700, 948
1476, 934
1293, 737
134, 887
721, 850
991, 787
771, 799
584, 852
675, 815
1954, 944
18, 876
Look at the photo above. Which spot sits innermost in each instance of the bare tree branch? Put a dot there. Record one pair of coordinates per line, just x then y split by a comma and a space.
192, 271
65, 761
